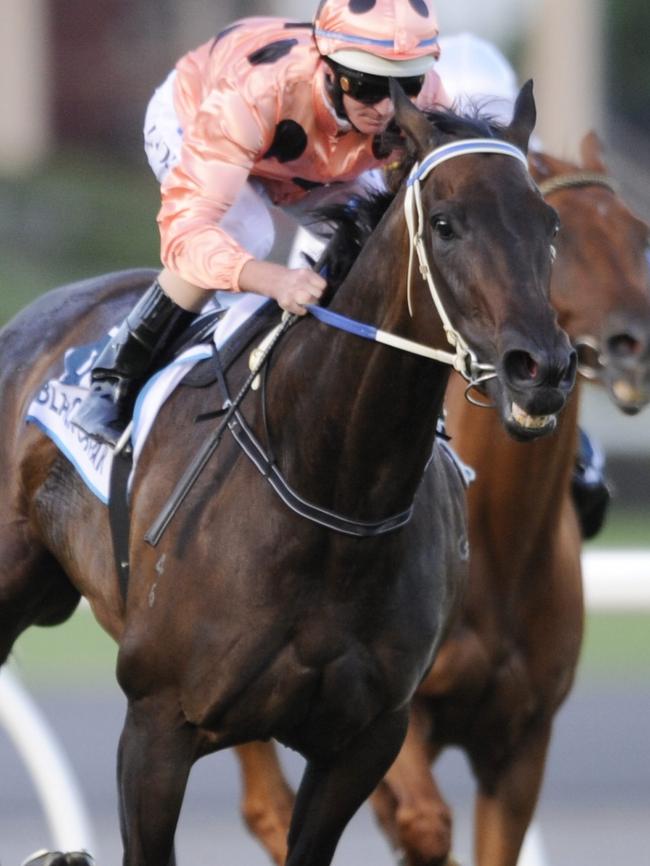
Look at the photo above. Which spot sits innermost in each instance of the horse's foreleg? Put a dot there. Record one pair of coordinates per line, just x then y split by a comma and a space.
267, 799
408, 804
156, 752
331, 792
506, 802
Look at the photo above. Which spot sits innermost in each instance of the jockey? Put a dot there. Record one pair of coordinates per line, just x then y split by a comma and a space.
270, 112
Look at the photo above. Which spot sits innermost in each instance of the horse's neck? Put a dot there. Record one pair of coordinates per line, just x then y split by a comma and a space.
517, 500
361, 416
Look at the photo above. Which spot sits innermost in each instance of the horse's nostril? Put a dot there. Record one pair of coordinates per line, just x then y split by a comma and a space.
555, 371
520, 366
623, 346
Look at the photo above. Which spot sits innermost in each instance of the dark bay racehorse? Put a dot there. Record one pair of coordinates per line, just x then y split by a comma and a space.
510, 659
249, 621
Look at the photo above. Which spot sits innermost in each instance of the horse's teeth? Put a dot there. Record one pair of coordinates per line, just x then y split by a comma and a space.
530, 422
625, 392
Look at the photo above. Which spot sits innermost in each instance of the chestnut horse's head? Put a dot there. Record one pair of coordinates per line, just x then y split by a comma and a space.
601, 281
488, 236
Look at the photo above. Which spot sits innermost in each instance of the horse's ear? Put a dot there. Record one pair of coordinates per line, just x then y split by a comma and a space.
591, 153
413, 122
523, 118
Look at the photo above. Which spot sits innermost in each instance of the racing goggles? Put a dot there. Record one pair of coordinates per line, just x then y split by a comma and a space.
371, 89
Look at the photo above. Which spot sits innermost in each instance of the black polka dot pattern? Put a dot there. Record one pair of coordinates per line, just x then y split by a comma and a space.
361, 6
272, 53
306, 184
420, 7
223, 33
289, 142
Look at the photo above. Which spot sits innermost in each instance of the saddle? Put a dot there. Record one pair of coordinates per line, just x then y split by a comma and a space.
202, 375
205, 372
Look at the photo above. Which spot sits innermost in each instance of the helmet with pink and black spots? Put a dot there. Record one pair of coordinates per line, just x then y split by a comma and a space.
397, 38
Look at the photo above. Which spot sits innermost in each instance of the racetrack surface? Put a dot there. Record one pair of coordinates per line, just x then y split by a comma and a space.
595, 807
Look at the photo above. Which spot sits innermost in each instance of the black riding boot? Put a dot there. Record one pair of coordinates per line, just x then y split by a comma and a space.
124, 362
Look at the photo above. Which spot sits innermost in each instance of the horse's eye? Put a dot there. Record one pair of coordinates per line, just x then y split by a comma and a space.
442, 227
556, 229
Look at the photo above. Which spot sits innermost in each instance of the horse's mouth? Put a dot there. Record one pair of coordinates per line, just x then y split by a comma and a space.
628, 397
621, 362
530, 424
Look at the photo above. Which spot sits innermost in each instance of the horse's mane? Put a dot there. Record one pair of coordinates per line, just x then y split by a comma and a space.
348, 225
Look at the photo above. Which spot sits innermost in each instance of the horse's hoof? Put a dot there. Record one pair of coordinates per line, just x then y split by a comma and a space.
58, 858
45, 858
79, 858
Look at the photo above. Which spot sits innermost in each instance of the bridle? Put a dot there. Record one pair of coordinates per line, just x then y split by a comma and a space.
577, 180
462, 359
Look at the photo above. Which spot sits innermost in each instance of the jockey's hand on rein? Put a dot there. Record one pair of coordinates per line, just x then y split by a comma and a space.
291, 288
301, 287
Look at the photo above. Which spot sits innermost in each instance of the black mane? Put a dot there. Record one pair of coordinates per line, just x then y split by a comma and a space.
349, 225
474, 123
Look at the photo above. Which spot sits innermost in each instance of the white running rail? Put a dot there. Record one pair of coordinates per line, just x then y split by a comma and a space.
47, 765
617, 579
614, 580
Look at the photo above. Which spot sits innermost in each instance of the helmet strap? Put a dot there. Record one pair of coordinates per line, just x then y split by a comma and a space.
334, 91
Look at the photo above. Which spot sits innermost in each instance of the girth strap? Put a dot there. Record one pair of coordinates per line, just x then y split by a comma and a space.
119, 515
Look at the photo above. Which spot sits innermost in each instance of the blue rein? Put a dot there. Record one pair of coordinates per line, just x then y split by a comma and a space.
343, 323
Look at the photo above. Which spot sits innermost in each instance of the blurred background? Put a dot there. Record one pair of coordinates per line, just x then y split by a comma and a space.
77, 198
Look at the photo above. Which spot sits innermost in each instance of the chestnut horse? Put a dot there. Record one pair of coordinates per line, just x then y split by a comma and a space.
510, 659
250, 621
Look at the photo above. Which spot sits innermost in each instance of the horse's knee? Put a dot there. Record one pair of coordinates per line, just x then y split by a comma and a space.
424, 832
